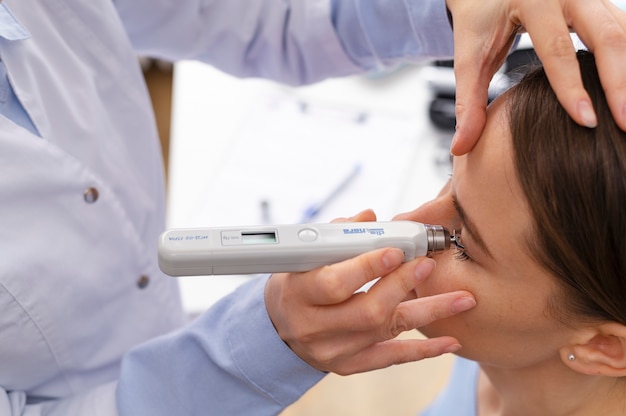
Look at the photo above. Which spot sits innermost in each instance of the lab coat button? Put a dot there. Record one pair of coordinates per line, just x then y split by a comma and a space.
91, 195
143, 282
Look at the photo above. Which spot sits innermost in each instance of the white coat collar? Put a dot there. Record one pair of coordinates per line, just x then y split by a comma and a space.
10, 28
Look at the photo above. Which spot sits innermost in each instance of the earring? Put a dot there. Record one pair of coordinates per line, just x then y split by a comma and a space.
571, 357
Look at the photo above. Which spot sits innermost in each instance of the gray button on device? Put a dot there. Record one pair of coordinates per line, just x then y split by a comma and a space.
307, 235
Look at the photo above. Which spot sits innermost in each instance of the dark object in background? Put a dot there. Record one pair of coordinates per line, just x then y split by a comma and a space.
441, 79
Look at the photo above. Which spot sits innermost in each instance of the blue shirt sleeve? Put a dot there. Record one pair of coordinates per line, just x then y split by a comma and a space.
458, 398
382, 33
230, 361
294, 42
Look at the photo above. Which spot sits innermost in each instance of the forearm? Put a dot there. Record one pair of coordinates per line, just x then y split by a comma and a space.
384, 33
291, 41
230, 360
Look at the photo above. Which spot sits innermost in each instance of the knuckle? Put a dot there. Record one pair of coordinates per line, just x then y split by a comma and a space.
348, 367
612, 37
460, 107
399, 325
344, 371
377, 314
374, 315
407, 281
561, 46
326, 357
333, 286
297, 334
367, 267
437, 313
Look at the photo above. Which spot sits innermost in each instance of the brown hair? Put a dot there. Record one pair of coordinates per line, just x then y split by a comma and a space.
574, 179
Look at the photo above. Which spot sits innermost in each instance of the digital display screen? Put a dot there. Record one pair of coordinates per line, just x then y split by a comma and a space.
258, 238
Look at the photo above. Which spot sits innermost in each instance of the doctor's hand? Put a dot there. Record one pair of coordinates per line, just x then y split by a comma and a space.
484, 31
332, 328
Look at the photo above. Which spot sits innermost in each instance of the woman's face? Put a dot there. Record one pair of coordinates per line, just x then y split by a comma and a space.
511, 325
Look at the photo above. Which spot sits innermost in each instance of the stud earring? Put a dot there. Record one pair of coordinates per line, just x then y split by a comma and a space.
571, 357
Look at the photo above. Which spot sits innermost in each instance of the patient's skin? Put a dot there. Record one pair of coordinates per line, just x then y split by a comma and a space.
511, 289
516, 339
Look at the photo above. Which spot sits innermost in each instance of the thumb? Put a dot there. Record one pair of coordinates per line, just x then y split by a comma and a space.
477, 57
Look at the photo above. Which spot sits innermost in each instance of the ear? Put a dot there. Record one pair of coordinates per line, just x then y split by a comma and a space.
598, 350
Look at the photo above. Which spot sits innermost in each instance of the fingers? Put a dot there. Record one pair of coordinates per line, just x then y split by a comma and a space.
437, 211
336, 283
480, 47
423, 311
605, 36
370, 345
395, 352
382, 320
471, 116
363, 216
472, 74
602, 28
333, 329
482, 38
375, 312
549, 31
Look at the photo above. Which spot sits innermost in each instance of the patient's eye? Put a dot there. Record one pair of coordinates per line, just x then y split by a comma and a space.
460, 251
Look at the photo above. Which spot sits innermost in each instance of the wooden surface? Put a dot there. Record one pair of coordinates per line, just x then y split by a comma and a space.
159, 79
395, 391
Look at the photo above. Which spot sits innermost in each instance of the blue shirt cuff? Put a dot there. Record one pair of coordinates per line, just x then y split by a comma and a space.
229, 361
378, 34
264, 359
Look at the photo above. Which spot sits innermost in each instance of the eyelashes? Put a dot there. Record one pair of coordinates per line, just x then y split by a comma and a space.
460, 252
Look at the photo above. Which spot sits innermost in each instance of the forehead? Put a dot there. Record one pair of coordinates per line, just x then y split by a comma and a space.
491, 161
485, 182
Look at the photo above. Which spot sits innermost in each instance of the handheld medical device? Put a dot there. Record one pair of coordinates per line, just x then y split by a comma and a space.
290, 248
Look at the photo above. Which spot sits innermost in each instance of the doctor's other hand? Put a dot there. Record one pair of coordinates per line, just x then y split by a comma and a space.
334, 327
484, 31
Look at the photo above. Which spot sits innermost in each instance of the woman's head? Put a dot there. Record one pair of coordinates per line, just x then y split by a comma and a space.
538, 203
574, 179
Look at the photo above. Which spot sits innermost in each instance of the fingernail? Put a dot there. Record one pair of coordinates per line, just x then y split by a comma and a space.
454, 140
424, 268
462, 304
587, 114
392, 258
452, 348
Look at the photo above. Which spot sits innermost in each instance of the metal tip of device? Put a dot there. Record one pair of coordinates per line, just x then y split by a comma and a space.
456, 241
439, 239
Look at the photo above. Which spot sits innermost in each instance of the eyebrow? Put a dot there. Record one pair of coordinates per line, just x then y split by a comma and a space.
469, 226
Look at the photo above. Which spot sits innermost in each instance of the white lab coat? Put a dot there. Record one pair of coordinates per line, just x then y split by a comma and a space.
79, 282
71, 269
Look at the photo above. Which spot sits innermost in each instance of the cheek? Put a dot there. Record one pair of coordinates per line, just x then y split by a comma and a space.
452, 275
449, 275
509, 318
